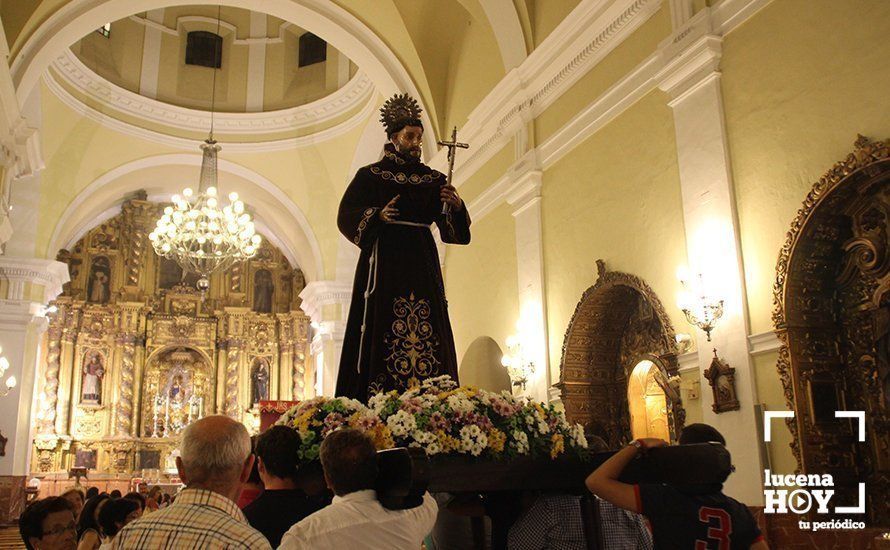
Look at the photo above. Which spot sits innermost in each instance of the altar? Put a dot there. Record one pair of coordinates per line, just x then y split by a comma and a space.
134, 353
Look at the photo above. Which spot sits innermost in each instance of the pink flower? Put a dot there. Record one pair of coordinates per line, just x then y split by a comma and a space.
439, 422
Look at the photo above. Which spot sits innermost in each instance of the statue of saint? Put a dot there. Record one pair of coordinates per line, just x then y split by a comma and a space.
176, 389
260, 382
99, 284
398, 332
91, 387
262, 291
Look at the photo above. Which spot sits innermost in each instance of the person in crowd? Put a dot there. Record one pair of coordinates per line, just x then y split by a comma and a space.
92, 492
215, 461
687, 516
75, 497
89, 537
153, 498
48, 524
355, 519
138, 497
115, 494
253, 488
115, 515
283, 502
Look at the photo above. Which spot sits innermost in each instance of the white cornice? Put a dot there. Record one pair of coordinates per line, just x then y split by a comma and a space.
764, 342
690, 51
210, 22
115, 99
48, 273
318, 294
592, 30
189, 144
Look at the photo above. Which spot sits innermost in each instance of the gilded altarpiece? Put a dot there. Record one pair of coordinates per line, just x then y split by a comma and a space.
832, 317
134, 352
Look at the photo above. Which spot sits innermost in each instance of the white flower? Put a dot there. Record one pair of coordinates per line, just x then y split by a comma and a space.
460, 404
578, 436
472, 440
433, 448
377, 401
401, 424
543, 428
521, 442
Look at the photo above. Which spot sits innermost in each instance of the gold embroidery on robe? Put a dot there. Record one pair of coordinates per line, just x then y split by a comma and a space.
400, 177
412, 342
363, 224
394, 157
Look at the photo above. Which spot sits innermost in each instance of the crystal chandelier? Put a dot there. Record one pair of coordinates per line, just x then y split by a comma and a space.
200, 234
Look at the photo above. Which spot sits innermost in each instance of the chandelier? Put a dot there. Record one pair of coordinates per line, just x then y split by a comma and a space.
11, 381
197, 231
701, 309
519, 367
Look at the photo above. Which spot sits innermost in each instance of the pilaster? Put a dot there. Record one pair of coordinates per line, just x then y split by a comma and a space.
691, 78
327, 305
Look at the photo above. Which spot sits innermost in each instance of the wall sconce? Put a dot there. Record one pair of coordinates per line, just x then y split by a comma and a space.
11, 381
519, 368
700, 309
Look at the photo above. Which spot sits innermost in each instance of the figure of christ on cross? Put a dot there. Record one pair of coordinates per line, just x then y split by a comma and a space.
398, 332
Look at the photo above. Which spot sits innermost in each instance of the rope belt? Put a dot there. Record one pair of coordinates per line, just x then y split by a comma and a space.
410, 224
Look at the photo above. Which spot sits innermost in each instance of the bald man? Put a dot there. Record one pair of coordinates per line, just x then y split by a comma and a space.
215, 461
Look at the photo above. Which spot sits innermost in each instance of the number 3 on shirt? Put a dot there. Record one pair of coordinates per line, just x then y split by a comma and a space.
718, 531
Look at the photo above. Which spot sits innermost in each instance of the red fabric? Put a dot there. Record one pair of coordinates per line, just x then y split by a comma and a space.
247, 496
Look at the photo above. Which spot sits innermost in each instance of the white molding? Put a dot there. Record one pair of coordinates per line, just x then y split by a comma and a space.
48, 273
211, 23
115, 99
256, 63
189, 144
683, 73
688, 361
763, 342
662, 65
318, 294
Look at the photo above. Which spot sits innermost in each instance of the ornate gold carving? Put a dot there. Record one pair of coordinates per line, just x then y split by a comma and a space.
51, 383
829, 298
722, 379
618, 322
233, 355
125, 403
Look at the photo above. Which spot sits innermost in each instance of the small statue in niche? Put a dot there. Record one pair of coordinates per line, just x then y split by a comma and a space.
176, 392
263, 287
99, 291
722, 379
259, 381
91, 387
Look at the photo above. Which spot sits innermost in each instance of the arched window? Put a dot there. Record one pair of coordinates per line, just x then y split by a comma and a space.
204, 49
312, 50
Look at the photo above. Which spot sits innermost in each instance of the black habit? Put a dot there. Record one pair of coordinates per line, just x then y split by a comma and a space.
398, 294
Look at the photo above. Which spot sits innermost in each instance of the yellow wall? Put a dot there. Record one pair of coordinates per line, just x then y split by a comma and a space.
800, 80
616, 197
546, 15
770, 393
481, 284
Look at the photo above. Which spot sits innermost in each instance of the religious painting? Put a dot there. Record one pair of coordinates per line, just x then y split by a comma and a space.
99, 284
148, 460
259, 381
263, 287
171, 274
722, 379
85, 458
93, 372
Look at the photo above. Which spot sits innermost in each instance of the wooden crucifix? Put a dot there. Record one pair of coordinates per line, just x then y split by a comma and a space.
452, 148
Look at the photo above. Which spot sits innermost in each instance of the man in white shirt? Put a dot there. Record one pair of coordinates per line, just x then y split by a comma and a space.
356, 520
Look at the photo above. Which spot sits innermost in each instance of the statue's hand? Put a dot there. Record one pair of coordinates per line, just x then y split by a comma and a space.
390, 212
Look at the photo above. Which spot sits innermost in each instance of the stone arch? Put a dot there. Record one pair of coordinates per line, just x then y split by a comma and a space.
832, 318
619, 322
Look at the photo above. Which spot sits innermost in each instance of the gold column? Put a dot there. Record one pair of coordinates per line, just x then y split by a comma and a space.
51, 384
233, 356
66, 372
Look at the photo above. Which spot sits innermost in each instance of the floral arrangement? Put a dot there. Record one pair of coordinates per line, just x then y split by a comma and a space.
442, 418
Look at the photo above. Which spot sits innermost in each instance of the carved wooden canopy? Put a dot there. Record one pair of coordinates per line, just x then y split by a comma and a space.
618, 323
